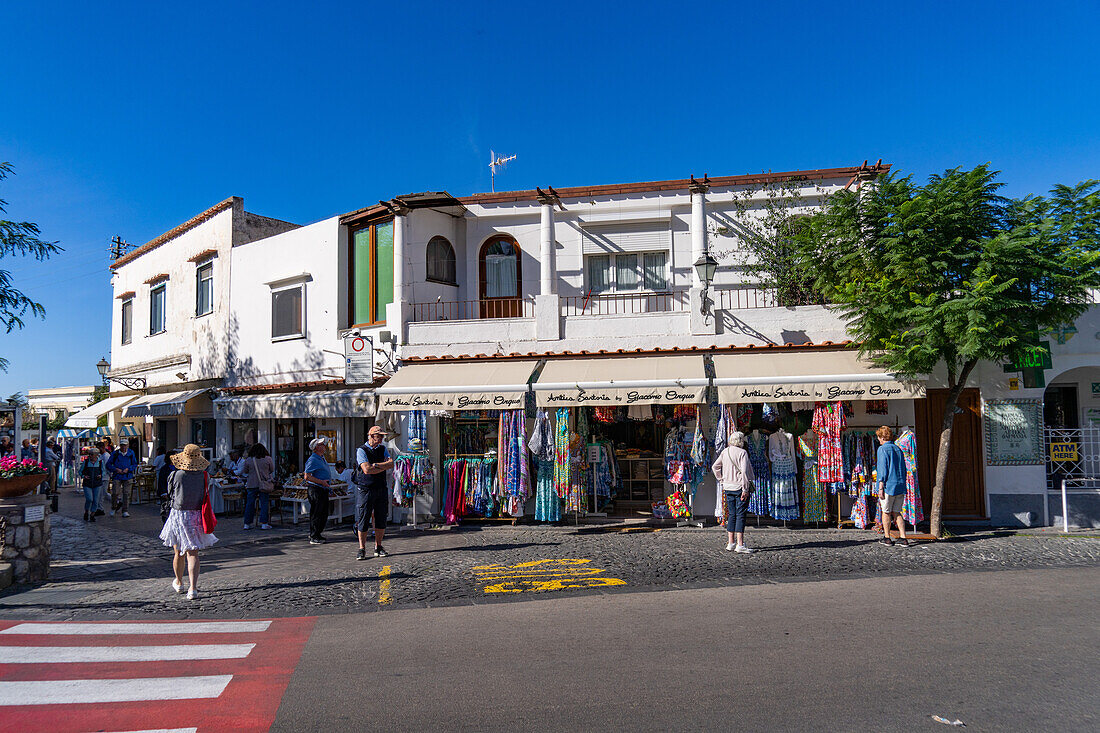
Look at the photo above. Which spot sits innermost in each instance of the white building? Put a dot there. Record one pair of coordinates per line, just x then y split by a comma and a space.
580, 296
172, 337
59, 402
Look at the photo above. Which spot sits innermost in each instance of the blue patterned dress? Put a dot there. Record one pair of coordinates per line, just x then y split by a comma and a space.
760, 503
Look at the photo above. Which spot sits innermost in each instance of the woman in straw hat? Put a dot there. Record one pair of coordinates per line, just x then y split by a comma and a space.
183, 530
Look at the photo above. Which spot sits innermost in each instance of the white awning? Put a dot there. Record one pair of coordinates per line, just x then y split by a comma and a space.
285, 405
89, 416
806, 376
488, 385
636, 380
165, 404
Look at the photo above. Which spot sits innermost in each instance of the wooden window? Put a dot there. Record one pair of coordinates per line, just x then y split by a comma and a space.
371, 273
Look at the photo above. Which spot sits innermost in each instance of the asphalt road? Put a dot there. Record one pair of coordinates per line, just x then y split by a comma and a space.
1005, 650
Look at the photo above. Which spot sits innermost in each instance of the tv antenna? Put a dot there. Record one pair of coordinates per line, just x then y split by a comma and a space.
497, 161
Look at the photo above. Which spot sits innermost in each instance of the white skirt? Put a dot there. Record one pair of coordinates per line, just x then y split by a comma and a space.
184, 530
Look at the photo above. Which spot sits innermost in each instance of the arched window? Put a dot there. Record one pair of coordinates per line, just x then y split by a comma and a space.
441, 261
501, 284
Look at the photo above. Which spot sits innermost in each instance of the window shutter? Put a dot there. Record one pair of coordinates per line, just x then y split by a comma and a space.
625, 237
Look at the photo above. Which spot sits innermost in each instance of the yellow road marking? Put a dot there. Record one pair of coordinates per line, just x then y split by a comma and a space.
384, 596
542, 575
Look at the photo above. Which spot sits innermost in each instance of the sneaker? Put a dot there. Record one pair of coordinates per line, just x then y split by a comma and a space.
887, 541
192, 594
85, 516
126, 514
99, 513
248, 526
380, 552
361, 555
265, 526
177, 586
112, 512
730, 547
91, 518
905, 543
744, 550
316, 541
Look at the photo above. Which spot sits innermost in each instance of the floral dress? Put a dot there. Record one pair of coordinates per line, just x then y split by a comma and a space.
760, 502
813, 494
912, 511
829, 423
784, 492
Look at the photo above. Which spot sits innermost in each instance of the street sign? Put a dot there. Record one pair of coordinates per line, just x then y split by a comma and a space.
358, 360
1063, 452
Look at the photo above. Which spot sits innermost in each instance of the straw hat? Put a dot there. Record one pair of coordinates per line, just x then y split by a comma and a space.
190, 459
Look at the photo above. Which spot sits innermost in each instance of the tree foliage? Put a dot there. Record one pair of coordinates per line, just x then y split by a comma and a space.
18, 239
950, 272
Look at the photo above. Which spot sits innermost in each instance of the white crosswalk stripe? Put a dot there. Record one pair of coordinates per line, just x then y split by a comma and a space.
56, 692
166, 653
198, 627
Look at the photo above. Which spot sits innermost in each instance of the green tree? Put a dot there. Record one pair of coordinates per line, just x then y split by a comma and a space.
766, 221
18, 239
945, 274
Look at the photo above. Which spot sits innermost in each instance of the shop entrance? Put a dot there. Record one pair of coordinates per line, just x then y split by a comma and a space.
638, 448
964, 487
168, 434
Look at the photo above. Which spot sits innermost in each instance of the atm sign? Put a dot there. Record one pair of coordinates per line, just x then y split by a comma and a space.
1063, 452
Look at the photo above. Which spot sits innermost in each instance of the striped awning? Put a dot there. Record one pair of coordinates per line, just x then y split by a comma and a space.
128, 431
68, 433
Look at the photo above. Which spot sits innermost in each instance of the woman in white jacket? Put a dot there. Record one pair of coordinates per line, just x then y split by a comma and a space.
734, 473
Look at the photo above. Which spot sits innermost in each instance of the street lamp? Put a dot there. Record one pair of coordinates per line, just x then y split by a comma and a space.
104, 366
705, 267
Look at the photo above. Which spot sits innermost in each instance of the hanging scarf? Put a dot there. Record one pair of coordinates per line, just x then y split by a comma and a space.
542, 437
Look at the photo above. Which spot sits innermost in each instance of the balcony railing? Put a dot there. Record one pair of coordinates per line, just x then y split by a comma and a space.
736, 297
463, 310
606, 304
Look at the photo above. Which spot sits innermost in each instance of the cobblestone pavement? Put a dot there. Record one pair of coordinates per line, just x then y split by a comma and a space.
102, 571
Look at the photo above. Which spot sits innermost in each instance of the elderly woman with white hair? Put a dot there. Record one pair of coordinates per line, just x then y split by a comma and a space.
734, 473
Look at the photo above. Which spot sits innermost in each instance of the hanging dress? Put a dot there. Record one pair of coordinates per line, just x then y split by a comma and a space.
547, 503
813, 494
829, 423
912, 511
760, 502
561, 452
784, 491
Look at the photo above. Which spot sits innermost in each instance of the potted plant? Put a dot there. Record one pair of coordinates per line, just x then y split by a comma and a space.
19, 477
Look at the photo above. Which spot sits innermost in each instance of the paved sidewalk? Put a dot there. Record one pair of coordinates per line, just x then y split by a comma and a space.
103, 571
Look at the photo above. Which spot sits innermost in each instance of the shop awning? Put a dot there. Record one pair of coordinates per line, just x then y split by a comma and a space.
488, 385
286, 405
165, 404
640, 380
89, 416
806, 376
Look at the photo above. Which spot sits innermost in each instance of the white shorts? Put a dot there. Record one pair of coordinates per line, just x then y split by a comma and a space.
892, 504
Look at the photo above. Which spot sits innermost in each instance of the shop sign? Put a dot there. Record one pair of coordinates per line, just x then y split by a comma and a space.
1063, 452
828, 392
616, 397
1013, 432
452, 401
1092, 415
1014, 383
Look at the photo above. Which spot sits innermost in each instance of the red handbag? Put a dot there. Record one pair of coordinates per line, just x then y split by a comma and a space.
209, 521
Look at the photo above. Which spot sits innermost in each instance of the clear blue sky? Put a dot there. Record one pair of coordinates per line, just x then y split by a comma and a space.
129, 118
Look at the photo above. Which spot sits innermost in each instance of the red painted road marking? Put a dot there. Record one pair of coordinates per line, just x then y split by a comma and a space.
249, 702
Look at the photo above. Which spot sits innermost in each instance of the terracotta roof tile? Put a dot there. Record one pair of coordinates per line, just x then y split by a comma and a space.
157, 278
175, 232
713, 348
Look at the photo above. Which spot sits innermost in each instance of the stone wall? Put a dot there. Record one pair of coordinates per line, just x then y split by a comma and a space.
26, 545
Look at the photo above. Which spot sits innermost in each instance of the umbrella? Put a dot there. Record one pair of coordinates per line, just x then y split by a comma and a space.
128, 431
67, 433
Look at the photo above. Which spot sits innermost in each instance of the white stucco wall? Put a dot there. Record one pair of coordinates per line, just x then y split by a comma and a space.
254, 358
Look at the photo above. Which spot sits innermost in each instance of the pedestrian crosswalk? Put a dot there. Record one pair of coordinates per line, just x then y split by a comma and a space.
131, 677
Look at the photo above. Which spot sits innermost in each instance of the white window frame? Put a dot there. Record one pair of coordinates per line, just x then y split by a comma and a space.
198, 287
127, 338
296, 282
613, 277
163, 287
